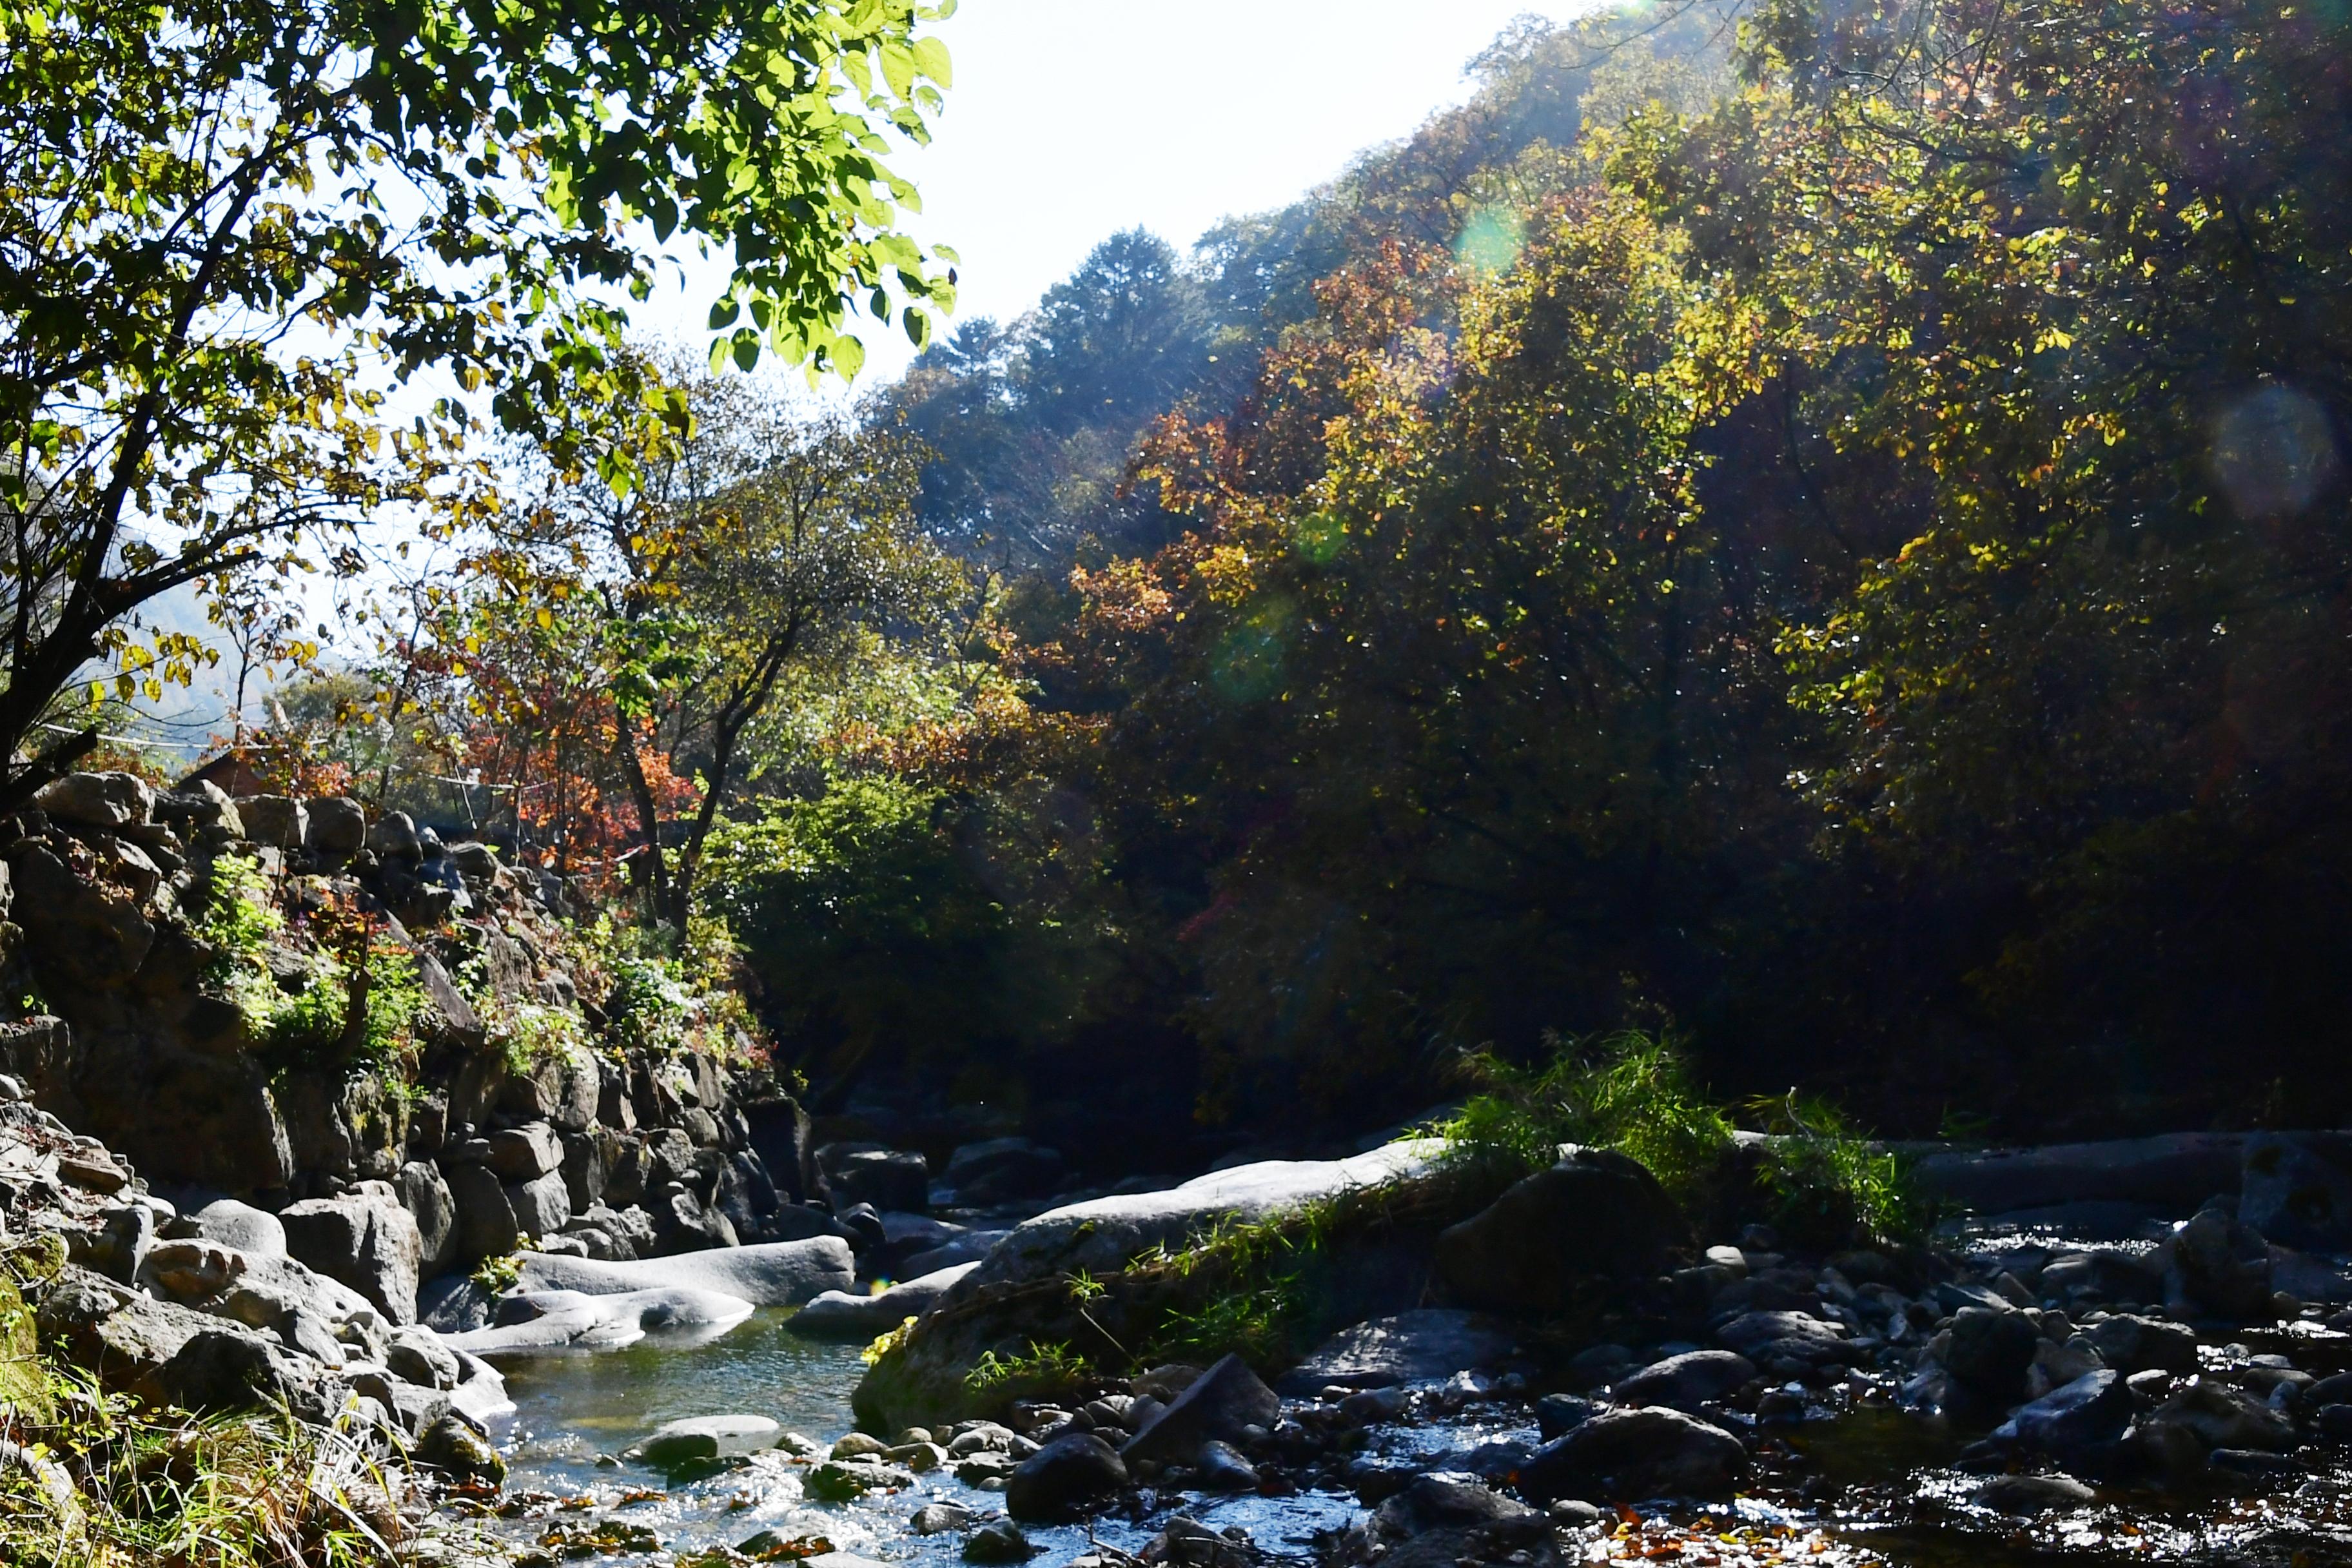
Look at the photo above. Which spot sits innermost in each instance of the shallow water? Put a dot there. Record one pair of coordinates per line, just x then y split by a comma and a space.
1858, 1483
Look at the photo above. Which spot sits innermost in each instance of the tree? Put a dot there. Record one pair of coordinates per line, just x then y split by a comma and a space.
230, 229
759, 546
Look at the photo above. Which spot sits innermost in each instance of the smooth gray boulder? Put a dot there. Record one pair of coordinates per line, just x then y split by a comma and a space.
571, 1321
1628, 1455
366, 1239
1100, 1235
770, 1274
1427, 1345
678, 1443
1685, 1382
249, 1230
845, 1315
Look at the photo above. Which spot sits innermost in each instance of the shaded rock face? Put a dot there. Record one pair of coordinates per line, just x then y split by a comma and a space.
1685, 1382
2297, 1189
1431, 1343
2216, 1265
1594, 1215
1990, 1353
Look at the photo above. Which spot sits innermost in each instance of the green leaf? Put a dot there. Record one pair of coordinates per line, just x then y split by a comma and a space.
930, 57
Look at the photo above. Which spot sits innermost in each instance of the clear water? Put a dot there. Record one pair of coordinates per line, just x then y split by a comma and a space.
1859, 1484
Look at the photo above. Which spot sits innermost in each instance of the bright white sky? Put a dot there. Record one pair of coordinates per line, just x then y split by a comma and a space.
1071, 120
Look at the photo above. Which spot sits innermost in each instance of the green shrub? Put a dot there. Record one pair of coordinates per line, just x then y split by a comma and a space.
1825, 1181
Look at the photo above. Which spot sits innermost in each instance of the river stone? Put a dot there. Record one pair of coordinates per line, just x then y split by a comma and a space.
2131, 1343
2214, 1264
570, 1320
454, 1448
1101, 1235
2223, 1417
1426, 1345
417, 1354
1220, 1404
770, 1274
1628, 1455
1060, 1478
1685, 1382
1990, 1353
845, 1315
1594, 1214
1768, 1336
2297, 1188
2031, 1494
678, 1443
999, 1542
1222, 1467
2093, 1408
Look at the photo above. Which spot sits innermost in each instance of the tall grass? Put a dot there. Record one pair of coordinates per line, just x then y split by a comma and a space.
1635, 1093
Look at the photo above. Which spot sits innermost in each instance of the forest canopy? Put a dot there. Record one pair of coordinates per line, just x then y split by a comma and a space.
1820, 532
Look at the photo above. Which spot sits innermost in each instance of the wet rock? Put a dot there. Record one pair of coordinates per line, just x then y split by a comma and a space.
678, 1443
1685, 1382
1000, 1542
1060, 1478
453, 1446
1595, 1214
1989, 1352
2093, 1408
1438, 1522
532, 1321
1425, 1346
1220, 1404
845, 1315
2214, 1264
1633, 1454
2220, 1416
2256, 1464
939, 1517
2026, 1495
2131, 1343
1558, 1414
1768, 1336
1222, 1467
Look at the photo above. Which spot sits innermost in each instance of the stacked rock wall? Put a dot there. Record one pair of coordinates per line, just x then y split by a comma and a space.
112, 1017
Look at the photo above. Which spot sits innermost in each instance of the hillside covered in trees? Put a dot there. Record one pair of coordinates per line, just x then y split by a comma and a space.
1819, 531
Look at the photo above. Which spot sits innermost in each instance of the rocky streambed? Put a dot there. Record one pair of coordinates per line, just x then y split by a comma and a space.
2107, 1385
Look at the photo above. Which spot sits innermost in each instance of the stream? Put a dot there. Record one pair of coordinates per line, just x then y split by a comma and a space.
1857, 1481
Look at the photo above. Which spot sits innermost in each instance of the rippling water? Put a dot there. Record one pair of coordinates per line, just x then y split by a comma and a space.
1859, 1484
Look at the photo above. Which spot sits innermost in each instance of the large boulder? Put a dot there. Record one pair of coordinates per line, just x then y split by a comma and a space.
1623, 1456
538, 1322
770, 1274
277, 820
1000, 1169
97, 800
1768, 1336
193, 807
1221, 1403
2093, 1408
366, 1240
82, 934
2297, 1188
845, 1315
1063, 1478
425, 1194
486, 1225
1101, 1235
1428, 1344
1596, 1215
519, 1153
2218, 1266
889, 1179
2130, 1343
1988, 1353
677, 1444
540, 1205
